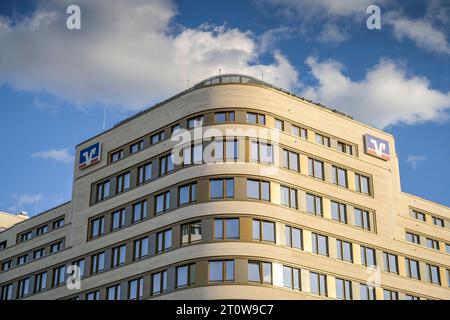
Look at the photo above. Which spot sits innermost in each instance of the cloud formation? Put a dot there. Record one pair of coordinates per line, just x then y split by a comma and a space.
24, 201
414, 160
61, 155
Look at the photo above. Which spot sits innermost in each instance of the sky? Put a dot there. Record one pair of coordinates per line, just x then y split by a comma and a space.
56, 84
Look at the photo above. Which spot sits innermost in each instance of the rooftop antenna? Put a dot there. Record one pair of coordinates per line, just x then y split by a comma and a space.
104, 118
187, 82
220, 71
35, 206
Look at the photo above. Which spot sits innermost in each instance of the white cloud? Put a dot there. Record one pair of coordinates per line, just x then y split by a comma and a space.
331, 33
414, 160
386, 96
23, 202
127, 54
54, 154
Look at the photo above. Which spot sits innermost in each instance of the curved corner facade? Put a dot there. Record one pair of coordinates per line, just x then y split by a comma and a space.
233, 190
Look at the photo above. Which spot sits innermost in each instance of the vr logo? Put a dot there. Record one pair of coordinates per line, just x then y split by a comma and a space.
90, 155
377, 147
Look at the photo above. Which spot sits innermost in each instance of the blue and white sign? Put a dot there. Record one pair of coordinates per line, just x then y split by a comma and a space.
90, 155
377, 147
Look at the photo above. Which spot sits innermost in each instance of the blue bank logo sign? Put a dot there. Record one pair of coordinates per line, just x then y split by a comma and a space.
90, 155
377, 147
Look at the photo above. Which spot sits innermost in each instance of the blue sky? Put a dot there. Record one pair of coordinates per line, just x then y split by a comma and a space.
55, 84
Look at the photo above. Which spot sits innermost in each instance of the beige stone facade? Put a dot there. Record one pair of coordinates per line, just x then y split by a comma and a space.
309, 233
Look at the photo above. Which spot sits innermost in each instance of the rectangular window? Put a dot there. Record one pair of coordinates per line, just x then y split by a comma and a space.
159, 282
97, 262
221, 188
118, 256
418, 215
97, 227
196, 121
138, 146
162, 202
319, 244
140, 248
345, 148
257, 189
175, 128
140, 211
362, 218
59, 276
433, 274
157, 137
291, 160
226, 229
80, 265
447, 248
22, 259
390, 295
7, 292
40, 282
224, 116
163, 241
58, 223
166, 164
299, 132
41, 230
362, 184
187, 193
344, 250
339, 176
39, 253
55, 247
23, 288
136, 289
113, 293
93, 296
26, 236
412, 237
366, 292
226, 150
260, 272
6, 265
314, 204
144, 173
191, 232
263, 230
279, 124
318, 283
221, 271
411, 297
116, 156
261, 152
338, 211
323, 140
412, 268
288, 197
438, 222
343, 289
432, 244
294, 237
123, 182
255, 118
390, 262
193, 154
118, 219
315, 169
102, 191
291, 278
3, 245
185, 275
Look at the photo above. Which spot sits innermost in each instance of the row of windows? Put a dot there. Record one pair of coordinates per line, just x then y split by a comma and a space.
425, 241
40, 230
424, 217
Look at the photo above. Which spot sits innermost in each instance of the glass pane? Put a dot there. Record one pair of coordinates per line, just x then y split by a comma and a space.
216, 189
310, 203
253, 189
232, 228
284, 195
254, 272
184, 194
265, 194
267, 269
230, 188
182, 276
218, 149
256, 230
287, 277
229, 265
218, 229
268, 231
215, 271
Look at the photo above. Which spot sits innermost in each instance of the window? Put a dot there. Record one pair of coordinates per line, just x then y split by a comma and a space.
140, 248
366, 292
447, 248
136, 289
6, 265
159, 282
344, 250
362, 183
226, 229
221, 270
345, 148
319, 244
299, 132
163, 241
314, 204
166, 164
433, 244
187, 193
56, 246
291, 278
3, 245
323, 140
412, 268
185, 275
438, 222
162, 202
288, 197
144, 173
41, 230
140, 211
58, 223
433, 274
175, 128
294, 237
97, 262
7, 292
59, 276
102, 191
257, 189
26, 236
97, 227
315, 169
279, 124
118, 219
138, 146
94, 295
418, 215
390, 262
113, 293
193, 154
338, 212
39, 253
339, 176
362, 218
368, 257
116, 156
80, 265
123, 182
40, 282
260, 272
195, 122
411, 297
228, 148
290, 160
343, 289
224, 116
261, 152
157, 137
412, 237
23, 288
191, 232
221, 188
318, 283
390, 295
118, 256
22, 259
255, 118
448, 278
263, 230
